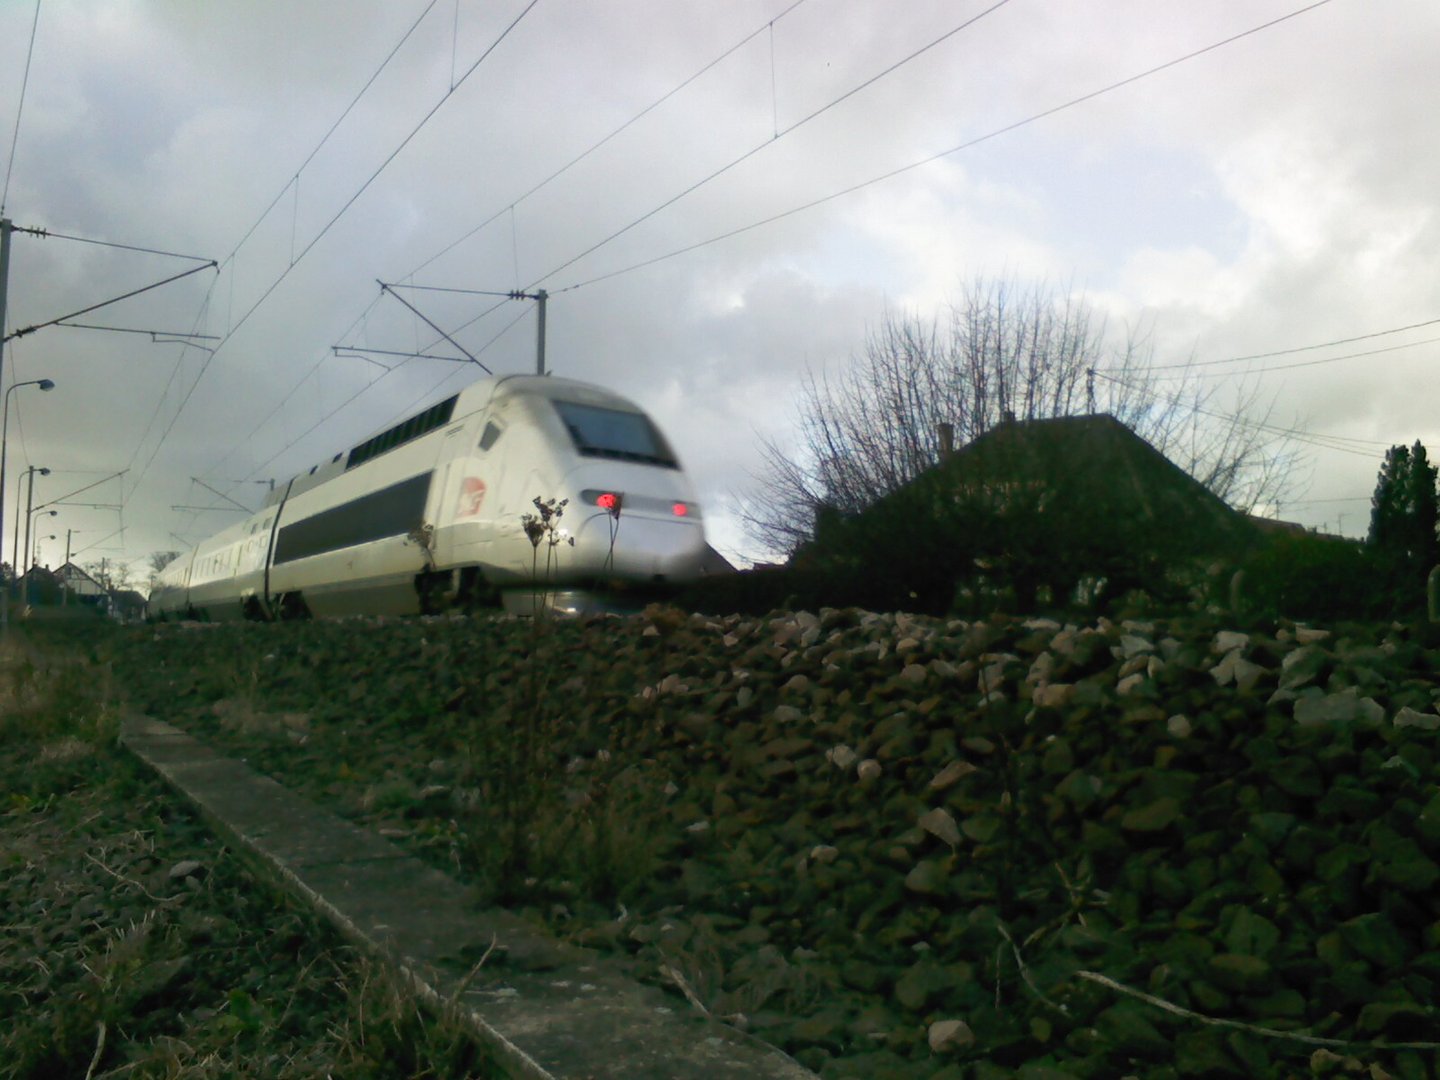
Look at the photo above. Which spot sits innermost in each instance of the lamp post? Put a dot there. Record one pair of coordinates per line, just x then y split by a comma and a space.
22, 554
30, 517
43, 384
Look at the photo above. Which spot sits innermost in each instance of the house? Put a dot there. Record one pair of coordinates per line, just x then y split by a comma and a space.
127, 605
1039, 508
77, 582
38, 585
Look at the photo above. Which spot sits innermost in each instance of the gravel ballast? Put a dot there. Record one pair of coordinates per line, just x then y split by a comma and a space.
895, 846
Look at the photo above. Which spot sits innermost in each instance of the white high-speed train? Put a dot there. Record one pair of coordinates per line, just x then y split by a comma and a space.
428, 515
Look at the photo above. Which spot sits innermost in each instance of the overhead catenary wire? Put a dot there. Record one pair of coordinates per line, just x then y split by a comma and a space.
46, 234
1304, 348
1035, 117
1341, 443
930, 159
20, 110
578, 158
322, 420
331, 131
510, 209
788, 130
324, 230
106, 303
167, 337
773, 218
1286, 367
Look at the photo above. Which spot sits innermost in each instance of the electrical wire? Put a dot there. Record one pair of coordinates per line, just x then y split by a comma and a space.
46, 234
20, 110
388, 372
966, 145
106, 303
780, 135
234, 253
1286, 367
333, 128
1341, 443
230, 333
1303, 348
509, 208
596, 146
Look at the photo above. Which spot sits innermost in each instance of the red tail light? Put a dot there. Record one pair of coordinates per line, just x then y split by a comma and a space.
607, 500
680, 509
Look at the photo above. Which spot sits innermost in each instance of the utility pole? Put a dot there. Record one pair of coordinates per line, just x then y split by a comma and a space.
6, 228
540, 296
65, 576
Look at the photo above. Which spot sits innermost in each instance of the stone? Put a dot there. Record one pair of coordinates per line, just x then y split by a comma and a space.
940, 824
1375, 938
1251, 934
1301, 667
946, 1036
982, 828
1179, 726
1428, 821
1234, 669
1131, 684
914, 673
842, 757
1238, 971
1128, 1028
1053, 695
1132, 646
1413, 718
1228, 641
868, 770
1345, 709
922, 983
1152, 817
927, 877
187, 868
950, 775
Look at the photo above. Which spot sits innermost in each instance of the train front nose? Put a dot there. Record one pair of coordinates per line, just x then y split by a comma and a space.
639, 540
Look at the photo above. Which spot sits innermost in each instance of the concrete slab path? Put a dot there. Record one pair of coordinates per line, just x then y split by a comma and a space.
544, 1009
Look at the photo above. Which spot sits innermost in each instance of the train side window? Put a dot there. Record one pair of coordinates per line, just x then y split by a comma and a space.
490, 436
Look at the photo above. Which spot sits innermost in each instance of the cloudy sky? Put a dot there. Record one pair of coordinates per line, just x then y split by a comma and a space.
1272, 193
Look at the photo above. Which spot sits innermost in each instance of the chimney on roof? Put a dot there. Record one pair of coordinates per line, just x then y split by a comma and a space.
947, 440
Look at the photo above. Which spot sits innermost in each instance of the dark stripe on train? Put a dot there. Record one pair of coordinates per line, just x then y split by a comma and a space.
391, 511
406, 431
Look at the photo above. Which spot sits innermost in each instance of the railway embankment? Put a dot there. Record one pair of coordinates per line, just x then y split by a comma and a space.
897, 846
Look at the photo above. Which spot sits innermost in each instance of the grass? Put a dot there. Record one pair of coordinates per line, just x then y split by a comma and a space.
112, 964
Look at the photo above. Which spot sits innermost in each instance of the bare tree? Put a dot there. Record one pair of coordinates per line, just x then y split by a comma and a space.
109, 574
1004, 353
158, 560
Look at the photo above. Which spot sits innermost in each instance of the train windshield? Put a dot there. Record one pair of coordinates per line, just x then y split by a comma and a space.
612, 433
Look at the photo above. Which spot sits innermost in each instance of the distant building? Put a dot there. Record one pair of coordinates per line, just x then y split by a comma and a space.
1040, 507
77, 582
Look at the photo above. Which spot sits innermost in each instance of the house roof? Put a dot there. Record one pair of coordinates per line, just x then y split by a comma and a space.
72, 573
1083, 470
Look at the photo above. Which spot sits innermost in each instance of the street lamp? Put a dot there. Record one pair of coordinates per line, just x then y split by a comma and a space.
24, 552
43, 384
31, 515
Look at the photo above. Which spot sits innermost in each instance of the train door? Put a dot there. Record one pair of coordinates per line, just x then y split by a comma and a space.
448, 493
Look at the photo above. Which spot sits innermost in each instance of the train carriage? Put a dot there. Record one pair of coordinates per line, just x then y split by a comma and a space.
428, 514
